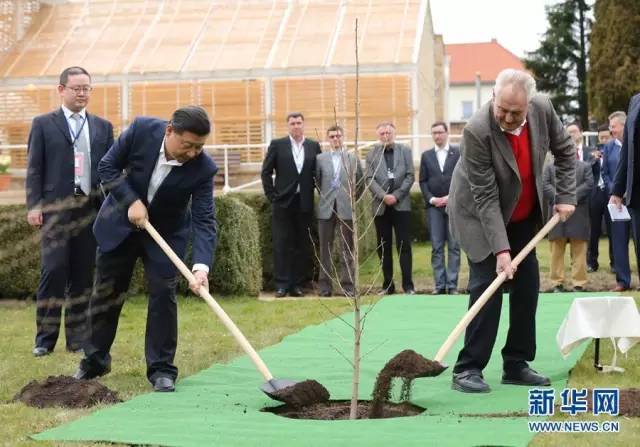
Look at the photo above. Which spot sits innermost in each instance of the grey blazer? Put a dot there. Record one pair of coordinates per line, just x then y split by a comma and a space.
486, 182
376, 177
340, 197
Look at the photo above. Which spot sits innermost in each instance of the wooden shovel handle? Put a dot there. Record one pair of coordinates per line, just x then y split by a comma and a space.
473, 311
213, 304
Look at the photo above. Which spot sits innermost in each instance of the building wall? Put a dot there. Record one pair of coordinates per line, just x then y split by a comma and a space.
430, 85
466, 93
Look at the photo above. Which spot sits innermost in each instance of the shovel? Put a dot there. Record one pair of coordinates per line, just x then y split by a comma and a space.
284, 390
436, 367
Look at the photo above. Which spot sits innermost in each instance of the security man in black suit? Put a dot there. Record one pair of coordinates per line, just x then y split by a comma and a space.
293, 158
63, 197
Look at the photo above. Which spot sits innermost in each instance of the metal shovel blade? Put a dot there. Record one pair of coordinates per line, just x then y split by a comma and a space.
297, 394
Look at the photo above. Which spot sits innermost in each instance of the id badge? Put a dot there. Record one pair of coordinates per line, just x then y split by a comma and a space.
390, 175
79, 164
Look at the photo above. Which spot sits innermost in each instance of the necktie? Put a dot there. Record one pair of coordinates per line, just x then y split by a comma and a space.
82, 160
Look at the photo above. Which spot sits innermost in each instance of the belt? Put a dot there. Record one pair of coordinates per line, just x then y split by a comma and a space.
78, 192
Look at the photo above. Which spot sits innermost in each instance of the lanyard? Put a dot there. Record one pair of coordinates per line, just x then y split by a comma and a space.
74, 135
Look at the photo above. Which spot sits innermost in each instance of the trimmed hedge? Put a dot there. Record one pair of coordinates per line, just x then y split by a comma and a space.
237, 267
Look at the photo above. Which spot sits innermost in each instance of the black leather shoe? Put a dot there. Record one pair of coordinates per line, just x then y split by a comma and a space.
280, 293
388, 291
41, 351
164, 384
559, 289
88, 374
579, 289
410, 292
525, 376
325, 293
470, 381
438, 292
296, 291
452, 292
591, 269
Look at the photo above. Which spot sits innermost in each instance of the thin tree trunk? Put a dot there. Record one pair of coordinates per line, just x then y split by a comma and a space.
357, 321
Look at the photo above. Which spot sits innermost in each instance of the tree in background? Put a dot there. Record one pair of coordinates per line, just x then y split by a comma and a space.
560, 63
614, 75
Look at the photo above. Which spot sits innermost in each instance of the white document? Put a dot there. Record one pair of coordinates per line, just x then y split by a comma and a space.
618, 214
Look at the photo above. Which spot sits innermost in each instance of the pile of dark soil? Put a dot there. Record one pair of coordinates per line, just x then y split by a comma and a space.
307, 392
65, 391
407, 365
630, 402
339, 410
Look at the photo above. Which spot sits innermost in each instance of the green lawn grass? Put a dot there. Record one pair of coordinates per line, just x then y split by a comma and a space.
203, 341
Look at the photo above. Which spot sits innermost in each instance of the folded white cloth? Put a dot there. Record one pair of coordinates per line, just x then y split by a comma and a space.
614, 317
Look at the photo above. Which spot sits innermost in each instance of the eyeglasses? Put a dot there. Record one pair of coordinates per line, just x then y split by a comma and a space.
76, 90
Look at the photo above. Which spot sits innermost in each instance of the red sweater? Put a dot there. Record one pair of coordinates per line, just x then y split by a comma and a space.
522, 152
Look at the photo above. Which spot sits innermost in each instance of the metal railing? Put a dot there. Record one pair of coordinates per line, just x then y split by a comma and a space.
249, 154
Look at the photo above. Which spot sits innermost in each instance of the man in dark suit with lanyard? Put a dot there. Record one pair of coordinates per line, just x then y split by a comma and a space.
293, 158
155, 171
65, 147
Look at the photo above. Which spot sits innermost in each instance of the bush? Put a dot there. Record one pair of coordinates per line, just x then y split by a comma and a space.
19, 254
237, 267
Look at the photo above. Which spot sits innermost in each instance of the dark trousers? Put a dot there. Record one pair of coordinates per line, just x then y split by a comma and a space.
635, 233
113, 275
620, 241
326, 234
597, 209
397, 221
481, 334
67, 259
444, 277
290, 230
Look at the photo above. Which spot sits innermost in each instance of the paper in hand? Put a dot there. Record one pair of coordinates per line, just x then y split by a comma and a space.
618, 214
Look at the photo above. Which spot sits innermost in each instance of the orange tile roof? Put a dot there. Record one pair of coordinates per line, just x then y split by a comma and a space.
488, 58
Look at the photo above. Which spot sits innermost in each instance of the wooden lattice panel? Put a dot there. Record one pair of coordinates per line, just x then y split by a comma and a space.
382, 98
235, 107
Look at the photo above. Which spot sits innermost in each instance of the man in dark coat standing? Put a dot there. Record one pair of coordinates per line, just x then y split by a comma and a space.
575, 231
436, 168
293, 159
63, 197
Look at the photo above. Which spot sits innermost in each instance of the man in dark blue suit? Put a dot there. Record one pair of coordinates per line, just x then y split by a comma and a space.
436, 169
63, 198
620, 229
155, 171
626, 184
598, 202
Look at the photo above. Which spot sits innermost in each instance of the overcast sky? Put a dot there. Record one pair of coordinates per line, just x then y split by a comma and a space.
516, 24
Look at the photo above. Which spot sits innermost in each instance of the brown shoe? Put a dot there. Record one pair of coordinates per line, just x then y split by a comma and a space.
619, 288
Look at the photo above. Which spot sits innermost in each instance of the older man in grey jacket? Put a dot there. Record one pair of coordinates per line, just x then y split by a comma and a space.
390, 175
494, 208
337, 184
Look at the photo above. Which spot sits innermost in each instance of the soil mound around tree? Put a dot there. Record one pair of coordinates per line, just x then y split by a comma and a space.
307, 392
630, 402
340, 409
407, 365
65, 391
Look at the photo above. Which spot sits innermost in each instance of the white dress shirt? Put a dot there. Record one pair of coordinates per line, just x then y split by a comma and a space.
517, 131
73, 132
160, 172
298, 155
441, 155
